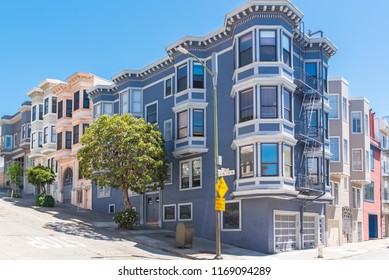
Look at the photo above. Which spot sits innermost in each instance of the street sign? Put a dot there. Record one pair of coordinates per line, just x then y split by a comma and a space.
220, 204
221, 187
225, 172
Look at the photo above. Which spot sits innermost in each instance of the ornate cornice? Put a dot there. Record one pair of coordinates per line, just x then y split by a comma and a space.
78, 77
48, 84
35, 92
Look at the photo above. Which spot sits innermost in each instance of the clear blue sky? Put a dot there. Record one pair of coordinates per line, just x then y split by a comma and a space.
53, 39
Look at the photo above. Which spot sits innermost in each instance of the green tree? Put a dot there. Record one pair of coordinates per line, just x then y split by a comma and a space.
15, 173
124, 152
39, 176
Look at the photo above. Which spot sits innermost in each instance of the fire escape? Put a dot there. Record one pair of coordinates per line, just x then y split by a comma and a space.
311, 129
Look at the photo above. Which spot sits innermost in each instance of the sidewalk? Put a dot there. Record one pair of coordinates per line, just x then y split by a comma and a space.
202, 249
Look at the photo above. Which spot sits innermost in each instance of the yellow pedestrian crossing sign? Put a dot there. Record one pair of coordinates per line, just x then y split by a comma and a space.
220, 204
221, 187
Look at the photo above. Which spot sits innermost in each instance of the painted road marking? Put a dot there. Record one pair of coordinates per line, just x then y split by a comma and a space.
52, 242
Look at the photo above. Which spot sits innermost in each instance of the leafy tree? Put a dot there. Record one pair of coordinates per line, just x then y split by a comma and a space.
124, 152
15, 173
40, 176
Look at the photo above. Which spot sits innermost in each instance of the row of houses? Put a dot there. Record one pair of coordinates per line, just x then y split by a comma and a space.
310, 162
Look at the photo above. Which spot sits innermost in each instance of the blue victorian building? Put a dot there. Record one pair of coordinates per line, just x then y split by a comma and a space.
273, 129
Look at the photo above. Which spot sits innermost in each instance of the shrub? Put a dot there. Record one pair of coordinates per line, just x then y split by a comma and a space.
45, 200
126, 218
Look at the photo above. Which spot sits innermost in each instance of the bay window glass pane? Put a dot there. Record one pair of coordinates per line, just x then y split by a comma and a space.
288, 164
182, 77
196, 173
124, 102
286, 49
269, 159
268, 102
246, 105
287, 105
136, 101
198, 75
247, 161
185, 175
182, 124
245, 49
198, 122
267, 44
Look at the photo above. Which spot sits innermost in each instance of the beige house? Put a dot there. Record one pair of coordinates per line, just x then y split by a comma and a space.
348, 145
73, 116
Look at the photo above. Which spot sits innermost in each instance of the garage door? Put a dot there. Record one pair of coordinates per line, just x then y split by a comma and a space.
309, 232
285, 236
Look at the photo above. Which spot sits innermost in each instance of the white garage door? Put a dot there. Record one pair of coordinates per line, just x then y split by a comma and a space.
309, 232
285, 235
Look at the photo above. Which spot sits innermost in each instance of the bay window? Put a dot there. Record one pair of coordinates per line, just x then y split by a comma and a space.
246, 157
246, 105
182, 78
268, 102
267, 46
245, 49
269, 159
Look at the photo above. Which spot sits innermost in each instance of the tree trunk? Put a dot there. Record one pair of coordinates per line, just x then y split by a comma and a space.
126, 199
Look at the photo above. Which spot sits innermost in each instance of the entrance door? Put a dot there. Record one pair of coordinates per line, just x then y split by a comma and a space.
67, 185
373, 226
152, 208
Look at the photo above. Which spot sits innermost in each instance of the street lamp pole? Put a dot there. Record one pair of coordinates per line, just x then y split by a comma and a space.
216, 137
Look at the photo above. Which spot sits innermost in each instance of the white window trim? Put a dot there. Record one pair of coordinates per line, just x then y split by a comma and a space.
127, 90
329, 114
190, 174
336, 137
15, 140
171, 130
346, 152
240, 217
184, 63
96, 110
130, 101
352, 160
102, 108
163, 212
148, 105
114, 208
98, 195
352, 123
191, 211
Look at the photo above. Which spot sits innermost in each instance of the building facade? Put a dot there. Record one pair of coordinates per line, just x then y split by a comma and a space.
43, 134
273, 113
15, 142
346, 209
382, 133
73, 117
372, 192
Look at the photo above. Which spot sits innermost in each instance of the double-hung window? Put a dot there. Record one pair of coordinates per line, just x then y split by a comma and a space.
334, 104
356, 157
198, 122
8, 142
269, 103
287, 105
59, 141
345, 109
245, 49
288, 161
108, 109
168, 130
136, 102
46, 108
311, 74
40, 139
190, 174
198, 75
246, 105
182, 78
124, 102
246, 157
269, 159
286, 49
68, 140
33, 117
54, 105
85, 100
334, 148
168, 87
40, 111
76, 100
76, 134
152, 113
182, 124
53, 134
369, 192
356, 119
69, 105
267, 46
45, 134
